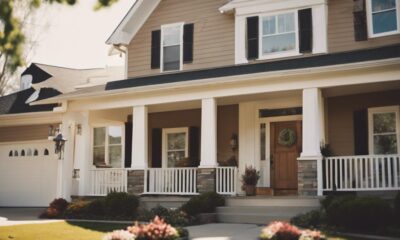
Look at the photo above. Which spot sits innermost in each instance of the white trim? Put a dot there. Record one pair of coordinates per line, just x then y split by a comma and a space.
165, 132
106, 143
208, 151
280, 54
371, 33
378, 110
268, 121
180, 24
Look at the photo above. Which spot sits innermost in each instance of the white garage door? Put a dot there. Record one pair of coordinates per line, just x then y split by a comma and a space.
28, 174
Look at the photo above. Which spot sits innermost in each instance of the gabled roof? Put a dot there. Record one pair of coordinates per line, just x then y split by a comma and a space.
18, 102
38, 74
132, 22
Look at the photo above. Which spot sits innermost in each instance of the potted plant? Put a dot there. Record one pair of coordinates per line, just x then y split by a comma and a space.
249, 180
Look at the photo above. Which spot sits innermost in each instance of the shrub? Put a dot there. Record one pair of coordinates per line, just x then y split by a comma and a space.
355, 213
77, 209
203, 203
56, 209
95, 208
312, 219
397, 207
171, 216
120, 205
155, 230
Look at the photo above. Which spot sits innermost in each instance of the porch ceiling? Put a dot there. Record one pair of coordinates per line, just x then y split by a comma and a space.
360, 88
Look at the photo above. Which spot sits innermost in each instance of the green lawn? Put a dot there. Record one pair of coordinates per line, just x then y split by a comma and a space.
59, 231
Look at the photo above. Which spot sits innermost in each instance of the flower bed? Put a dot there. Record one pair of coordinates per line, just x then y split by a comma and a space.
157, 229
286, 231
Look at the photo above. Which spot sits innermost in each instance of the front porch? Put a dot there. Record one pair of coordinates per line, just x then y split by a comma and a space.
198, 146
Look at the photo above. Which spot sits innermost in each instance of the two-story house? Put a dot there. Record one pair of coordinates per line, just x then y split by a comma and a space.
214, 86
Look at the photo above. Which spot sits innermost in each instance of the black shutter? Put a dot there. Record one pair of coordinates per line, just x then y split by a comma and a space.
188, 43
252, 38
194, 146
128, 144
360, 21
305, 30
155, 49
156, 145
360, 125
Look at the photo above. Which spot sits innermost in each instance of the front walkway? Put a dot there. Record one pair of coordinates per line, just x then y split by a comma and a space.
224, 231
19, 216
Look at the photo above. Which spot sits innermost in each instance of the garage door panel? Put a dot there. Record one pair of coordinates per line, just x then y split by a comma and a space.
27, 180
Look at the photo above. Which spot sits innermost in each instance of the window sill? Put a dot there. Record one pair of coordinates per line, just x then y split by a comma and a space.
385, 34
280, 55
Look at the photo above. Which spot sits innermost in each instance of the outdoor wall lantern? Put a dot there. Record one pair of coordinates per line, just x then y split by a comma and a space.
234, 142
79, 129
60, 142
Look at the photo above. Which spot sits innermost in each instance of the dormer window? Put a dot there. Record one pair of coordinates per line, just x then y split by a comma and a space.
278, 34
171, 40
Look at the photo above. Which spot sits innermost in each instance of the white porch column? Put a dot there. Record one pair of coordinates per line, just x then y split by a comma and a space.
139, 138
208, 133
313, 132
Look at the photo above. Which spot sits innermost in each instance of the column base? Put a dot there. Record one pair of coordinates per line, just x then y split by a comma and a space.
206, 180
135, 182
307, 172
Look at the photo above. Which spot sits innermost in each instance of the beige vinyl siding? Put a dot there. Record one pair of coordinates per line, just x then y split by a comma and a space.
341, 29
340, 114
24, 133
214, 39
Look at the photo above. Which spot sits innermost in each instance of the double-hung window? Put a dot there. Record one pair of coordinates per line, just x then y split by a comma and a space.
383, 17
278, 35
175, 146
107, 146
384, 130
171, 47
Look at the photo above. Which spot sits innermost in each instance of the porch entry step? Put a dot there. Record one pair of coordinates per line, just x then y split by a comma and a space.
259, 215
264, 191
276, 201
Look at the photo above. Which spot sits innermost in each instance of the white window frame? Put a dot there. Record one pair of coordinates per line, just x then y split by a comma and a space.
370, 22
165, 133
379, 110
163, 27
107, 145
289, 53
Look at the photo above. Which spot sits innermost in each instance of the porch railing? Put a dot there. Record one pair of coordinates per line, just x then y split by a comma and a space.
173, 181
104, 181
226, 180
361, 173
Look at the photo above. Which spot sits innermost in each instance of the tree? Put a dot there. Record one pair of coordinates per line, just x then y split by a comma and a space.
12, 37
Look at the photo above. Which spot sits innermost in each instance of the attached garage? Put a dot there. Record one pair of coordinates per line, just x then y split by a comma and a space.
28, 173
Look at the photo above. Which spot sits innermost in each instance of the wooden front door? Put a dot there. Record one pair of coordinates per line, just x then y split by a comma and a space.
285, 149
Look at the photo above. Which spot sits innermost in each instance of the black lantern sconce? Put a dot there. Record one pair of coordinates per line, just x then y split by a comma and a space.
234, 142
60, 142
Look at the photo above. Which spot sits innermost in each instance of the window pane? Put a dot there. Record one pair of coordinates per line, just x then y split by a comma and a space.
385, 144
269, 25
172, 58
171, 36
174, 157
176, 141
115, 156
278, 43
384, 122
384, 21
99, 136
99, 156
262, 141
379, 5
286, 23
114, 135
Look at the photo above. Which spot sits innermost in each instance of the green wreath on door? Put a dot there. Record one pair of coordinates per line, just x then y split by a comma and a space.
287, 137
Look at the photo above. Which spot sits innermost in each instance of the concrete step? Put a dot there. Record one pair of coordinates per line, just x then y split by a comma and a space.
262, 210
273, 201
150, 202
